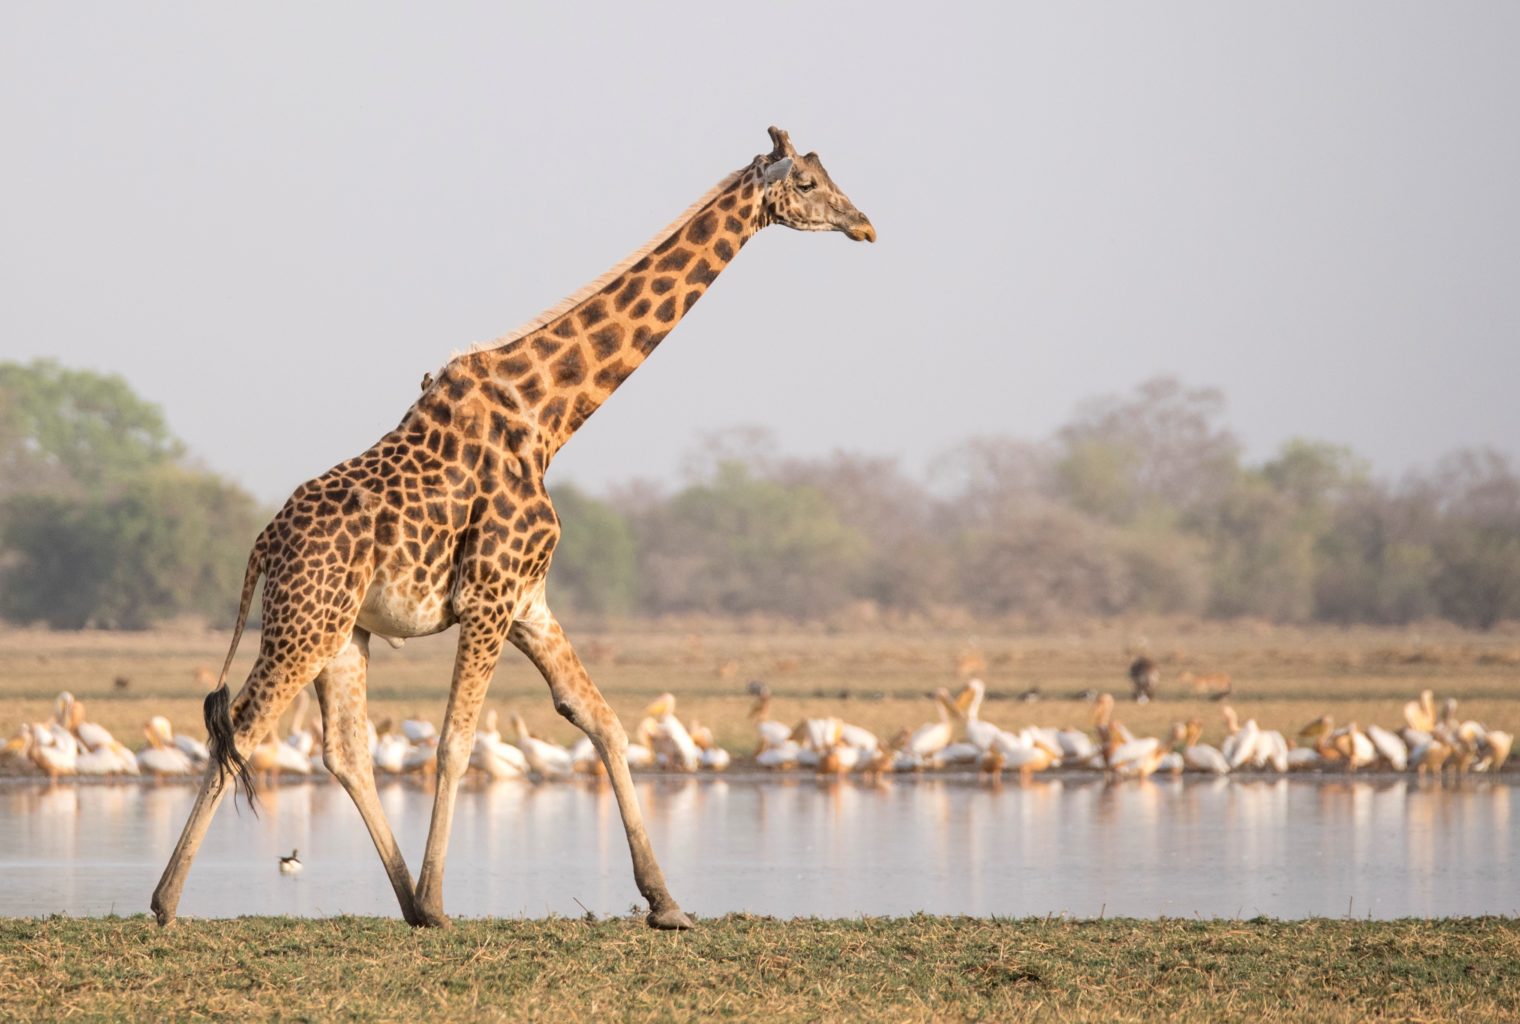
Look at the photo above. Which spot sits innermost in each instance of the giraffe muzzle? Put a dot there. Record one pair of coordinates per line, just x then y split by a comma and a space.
861, 231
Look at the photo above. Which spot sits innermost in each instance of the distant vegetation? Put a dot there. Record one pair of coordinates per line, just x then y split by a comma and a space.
1141, 504
103, 520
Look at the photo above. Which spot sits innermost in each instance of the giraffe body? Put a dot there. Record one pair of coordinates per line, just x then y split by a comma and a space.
445, 520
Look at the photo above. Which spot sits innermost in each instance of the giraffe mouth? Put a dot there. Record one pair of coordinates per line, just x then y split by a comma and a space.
861, 232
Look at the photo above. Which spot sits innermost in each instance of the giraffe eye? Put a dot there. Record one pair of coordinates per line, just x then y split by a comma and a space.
805, 184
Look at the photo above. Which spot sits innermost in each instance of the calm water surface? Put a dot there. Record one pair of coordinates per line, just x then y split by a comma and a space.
1383, 847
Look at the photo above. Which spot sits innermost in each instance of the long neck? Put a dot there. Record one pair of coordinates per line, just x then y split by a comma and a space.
565, 365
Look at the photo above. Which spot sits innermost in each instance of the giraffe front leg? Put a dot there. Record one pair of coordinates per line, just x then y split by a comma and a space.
480, 644
577, 698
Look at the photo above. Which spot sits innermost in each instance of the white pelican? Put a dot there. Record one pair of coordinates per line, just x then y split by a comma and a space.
1022, 753
390, 749
968, 705
819, 734
1354, 746
111, 758
38, 744
858, 736
1497, 744
1421, 714
640, 752
290, 865
1271, 750
1104, 723
928, 740
1135, 758
839, 759
670, 737
1201, 757
272, 757
300, 737
1389, 747
71, 714
1076, 746
1299, 758
192, 748
584, 759
771, 732
419, 730
711, 757
1430, 756
161, 756
1239, 746
962, 752
783, 755
549, 760
96, 751
497, 759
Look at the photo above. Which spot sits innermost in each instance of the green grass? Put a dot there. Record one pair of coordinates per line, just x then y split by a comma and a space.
739, 967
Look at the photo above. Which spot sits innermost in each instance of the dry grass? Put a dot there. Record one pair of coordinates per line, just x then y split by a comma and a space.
911, 969
1284, 677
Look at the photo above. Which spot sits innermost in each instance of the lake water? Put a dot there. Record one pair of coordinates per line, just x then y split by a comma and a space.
1384, 847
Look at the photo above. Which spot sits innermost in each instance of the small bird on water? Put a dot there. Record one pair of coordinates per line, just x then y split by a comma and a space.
290, 865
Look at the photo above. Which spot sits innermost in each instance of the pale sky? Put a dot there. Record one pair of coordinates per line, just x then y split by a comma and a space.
273, 219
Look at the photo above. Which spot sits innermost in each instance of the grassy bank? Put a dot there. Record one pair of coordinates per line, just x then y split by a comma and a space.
740, 967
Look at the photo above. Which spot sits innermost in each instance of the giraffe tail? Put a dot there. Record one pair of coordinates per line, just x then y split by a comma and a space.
219, 735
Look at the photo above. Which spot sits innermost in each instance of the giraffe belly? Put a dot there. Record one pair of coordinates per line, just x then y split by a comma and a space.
397, 611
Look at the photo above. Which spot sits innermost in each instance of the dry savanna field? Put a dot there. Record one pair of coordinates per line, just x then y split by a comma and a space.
1282, 676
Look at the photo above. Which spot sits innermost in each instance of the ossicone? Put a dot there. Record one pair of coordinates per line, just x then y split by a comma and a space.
781, 144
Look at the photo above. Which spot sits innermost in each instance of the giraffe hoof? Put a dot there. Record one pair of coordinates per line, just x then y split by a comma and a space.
672, 918
428, 919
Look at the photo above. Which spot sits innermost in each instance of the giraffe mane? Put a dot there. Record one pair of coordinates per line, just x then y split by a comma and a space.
574, 299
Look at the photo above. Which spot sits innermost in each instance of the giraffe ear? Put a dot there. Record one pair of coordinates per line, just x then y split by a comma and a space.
778, 170
781, 143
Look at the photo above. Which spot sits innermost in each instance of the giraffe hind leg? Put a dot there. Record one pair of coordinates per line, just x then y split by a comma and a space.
273, 683
340, 690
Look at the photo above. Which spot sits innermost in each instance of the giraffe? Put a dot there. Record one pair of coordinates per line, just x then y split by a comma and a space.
446, 521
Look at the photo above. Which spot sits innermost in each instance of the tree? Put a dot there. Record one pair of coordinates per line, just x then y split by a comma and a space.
1374, 561
1263, 558
905, 562
102, 521
595, 565
1477, 543
735, 544
1041, 559
1162, 448
62, 428
170, 542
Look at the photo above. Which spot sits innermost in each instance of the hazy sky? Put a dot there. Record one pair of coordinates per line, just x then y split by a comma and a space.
273, 219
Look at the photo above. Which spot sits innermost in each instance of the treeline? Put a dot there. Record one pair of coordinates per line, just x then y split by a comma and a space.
1143, 503
103, 520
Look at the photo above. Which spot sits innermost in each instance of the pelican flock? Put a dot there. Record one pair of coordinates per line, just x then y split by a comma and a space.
1432, 740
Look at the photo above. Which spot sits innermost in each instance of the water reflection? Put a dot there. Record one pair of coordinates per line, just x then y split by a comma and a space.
1383, 847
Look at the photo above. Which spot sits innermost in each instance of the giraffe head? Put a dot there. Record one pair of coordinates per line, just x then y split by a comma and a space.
800, 194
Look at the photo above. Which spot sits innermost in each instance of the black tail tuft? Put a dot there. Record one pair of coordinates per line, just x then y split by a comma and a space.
224, 752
